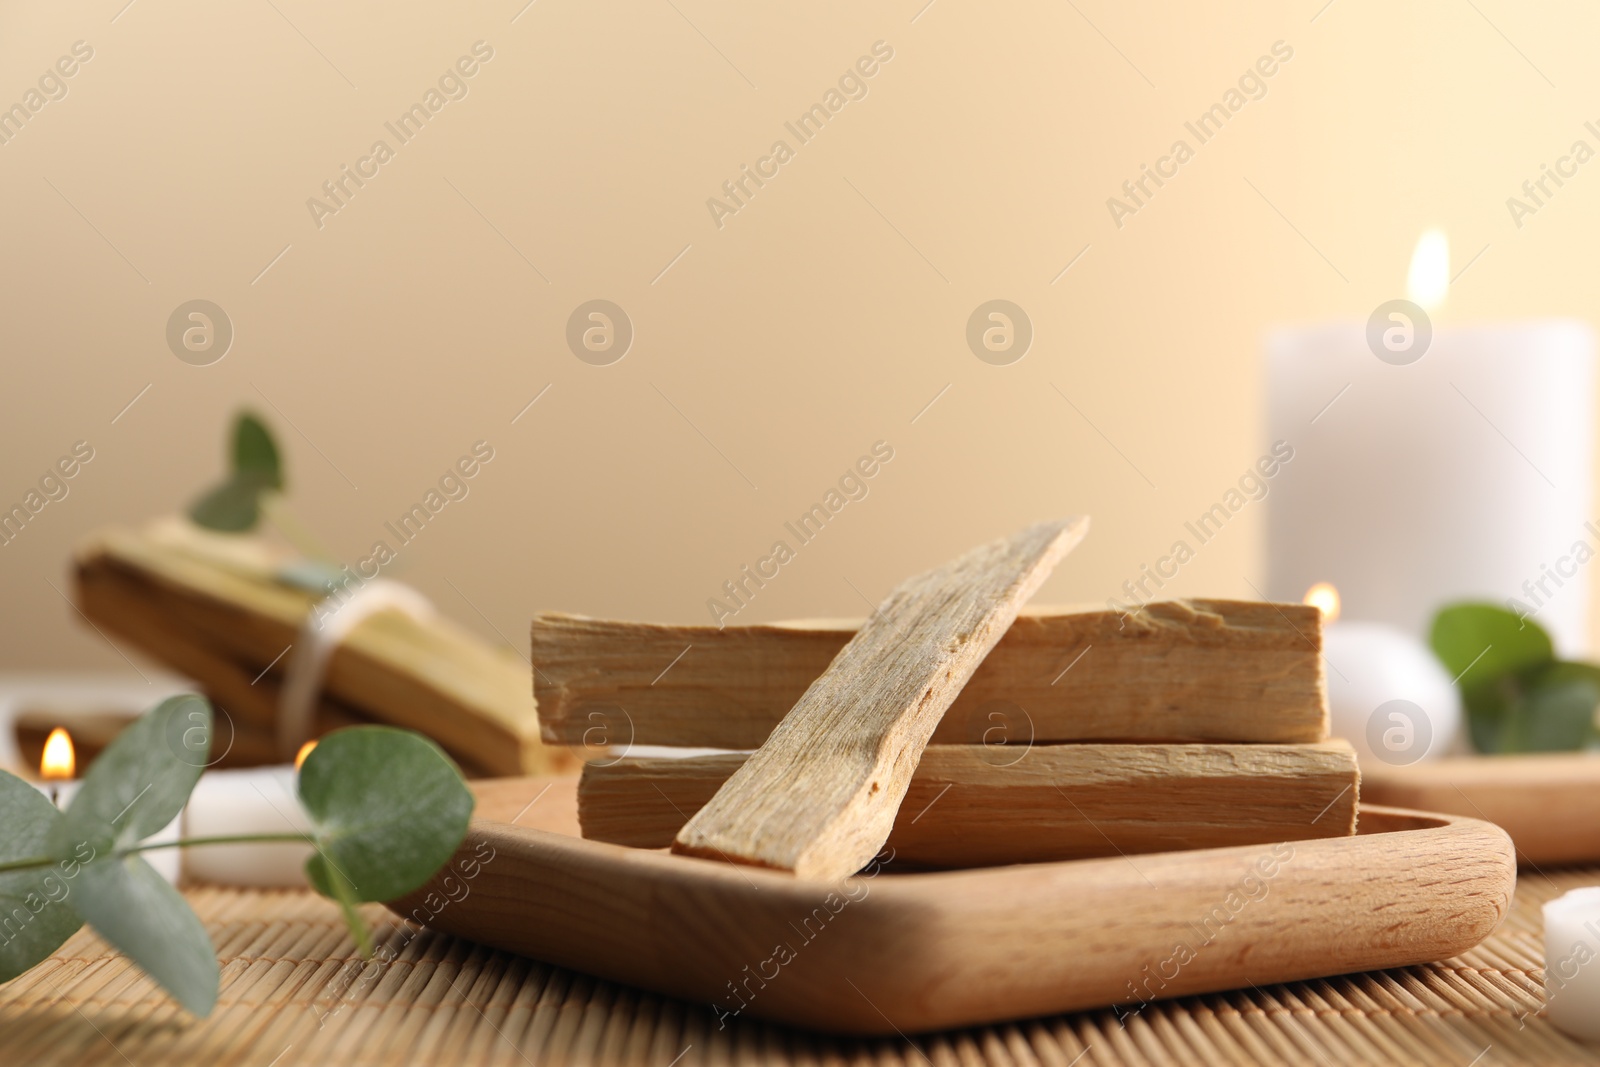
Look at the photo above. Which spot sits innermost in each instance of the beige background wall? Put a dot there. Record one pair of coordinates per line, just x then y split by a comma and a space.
821, 318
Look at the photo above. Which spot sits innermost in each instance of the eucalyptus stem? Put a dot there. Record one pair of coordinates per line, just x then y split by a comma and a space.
150, 846
225, 839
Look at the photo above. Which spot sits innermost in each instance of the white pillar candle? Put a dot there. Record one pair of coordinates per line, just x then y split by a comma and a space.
1387, 694
1572, 962
1466, 474
257, 800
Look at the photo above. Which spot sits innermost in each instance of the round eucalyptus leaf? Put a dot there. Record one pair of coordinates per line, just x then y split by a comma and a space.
1557, 709
36, 914
1481, 643
255, 454
388, 809
130, 905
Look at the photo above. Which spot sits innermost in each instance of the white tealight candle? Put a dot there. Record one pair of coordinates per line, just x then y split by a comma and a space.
258, 800
1572, 962
1387, 694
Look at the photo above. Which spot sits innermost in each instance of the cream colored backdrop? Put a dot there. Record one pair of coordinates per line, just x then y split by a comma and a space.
769, 353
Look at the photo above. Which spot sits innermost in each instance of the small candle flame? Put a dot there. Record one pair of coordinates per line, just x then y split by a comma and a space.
1324, 596
305, 750
1428, 280
59, 762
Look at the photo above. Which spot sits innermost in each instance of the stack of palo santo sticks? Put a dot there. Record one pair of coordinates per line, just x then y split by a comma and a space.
224, 611
952, 727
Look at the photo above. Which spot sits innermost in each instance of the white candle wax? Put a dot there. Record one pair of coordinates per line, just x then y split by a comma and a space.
1572, 962
59, 793
165, 860
1387, 694
1466, 474
258, 800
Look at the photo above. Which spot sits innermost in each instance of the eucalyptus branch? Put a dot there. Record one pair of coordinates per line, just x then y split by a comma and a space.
386, 810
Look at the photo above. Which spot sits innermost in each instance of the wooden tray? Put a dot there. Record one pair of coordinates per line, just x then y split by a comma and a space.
900, 953
1549, 803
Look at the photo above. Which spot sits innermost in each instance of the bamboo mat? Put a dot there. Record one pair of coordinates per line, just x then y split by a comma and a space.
294, 992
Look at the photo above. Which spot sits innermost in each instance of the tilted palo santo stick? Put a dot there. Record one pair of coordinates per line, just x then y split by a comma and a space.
820, 795
433, 677
984, 805
1182, 670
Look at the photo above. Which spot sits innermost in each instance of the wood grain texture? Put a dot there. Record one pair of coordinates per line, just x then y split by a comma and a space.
1549, 803
1183, 670
975, 806
819, 796
909, 953
219, 619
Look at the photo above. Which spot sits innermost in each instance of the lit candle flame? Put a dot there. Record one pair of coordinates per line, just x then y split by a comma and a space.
1324, 596
305, 750
1428, 280
59, 762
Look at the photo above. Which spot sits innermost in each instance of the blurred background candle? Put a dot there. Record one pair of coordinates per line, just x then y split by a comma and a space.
1455, 465
1387, 694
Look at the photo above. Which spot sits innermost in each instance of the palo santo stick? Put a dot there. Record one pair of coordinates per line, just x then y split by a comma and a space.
1182, 670
985, 805
820, 795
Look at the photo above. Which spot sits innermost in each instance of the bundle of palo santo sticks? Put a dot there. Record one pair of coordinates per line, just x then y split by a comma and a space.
953, 727
221, 610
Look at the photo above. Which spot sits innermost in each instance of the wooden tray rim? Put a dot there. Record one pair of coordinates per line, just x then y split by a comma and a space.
690, 927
